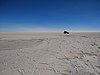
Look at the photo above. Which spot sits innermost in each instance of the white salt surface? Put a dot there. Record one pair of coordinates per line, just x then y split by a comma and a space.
49, 54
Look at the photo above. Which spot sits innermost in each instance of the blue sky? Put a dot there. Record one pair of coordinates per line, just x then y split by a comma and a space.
49, 15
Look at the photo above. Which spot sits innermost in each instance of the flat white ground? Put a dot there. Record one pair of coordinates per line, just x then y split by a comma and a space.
49, 54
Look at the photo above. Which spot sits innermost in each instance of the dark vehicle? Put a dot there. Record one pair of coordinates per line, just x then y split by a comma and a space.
65, 32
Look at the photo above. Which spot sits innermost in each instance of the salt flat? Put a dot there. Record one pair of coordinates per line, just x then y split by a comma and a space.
50, 54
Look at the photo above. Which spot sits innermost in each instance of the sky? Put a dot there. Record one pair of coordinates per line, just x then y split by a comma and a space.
49, 15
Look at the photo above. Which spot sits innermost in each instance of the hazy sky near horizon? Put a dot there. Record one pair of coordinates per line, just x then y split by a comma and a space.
49, 15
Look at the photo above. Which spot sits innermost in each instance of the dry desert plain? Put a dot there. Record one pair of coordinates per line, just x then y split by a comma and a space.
50, 53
